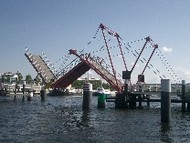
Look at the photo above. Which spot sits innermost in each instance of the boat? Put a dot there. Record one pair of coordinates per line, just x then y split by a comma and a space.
101, 90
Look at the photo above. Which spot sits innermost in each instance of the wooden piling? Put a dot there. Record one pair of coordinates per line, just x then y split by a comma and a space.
188, 106
132, 101
30, 95
183, 96
29, 98
120, 101
14, 99
43, 94
140, 100
87, 96
165, 100
148, 100
23, 98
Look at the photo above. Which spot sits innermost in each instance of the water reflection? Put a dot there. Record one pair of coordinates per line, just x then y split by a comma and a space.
165, 132
85, 118
61, 119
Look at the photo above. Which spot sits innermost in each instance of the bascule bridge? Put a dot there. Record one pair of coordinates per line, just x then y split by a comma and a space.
105, 69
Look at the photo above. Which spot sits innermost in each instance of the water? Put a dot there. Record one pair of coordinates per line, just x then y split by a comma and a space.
61, 119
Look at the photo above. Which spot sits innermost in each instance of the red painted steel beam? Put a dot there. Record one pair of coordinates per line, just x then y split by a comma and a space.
155, 47
107, 47
147, 40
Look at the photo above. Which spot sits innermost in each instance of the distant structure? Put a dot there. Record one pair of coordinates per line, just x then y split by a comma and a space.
12, 77
88, 76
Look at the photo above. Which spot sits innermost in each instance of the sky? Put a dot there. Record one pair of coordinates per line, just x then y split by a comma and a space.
56, 26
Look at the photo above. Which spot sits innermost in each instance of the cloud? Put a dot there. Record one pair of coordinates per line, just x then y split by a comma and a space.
183, 73
167, 50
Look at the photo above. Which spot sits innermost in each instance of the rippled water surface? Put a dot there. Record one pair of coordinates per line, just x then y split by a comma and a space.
61, 119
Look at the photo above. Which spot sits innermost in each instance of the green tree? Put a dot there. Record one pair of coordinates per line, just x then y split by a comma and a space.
37, 79
95, 83
107, 86
28, 78
20, 77
79, 83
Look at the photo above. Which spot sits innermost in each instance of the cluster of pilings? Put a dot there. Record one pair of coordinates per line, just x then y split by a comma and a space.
30, 95
129, 100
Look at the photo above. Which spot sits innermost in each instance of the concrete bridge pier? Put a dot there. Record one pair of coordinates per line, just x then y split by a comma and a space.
87, 96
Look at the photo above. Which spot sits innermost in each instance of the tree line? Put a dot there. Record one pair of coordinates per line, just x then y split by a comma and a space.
8, 78
78, 84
